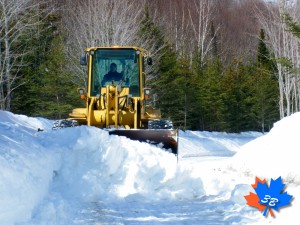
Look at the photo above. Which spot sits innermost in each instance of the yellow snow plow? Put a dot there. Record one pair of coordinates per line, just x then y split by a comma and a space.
117, 98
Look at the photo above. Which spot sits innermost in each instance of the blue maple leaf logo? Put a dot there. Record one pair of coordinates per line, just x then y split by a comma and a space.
272, 197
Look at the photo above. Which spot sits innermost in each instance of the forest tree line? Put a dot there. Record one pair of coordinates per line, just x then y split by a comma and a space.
223, 65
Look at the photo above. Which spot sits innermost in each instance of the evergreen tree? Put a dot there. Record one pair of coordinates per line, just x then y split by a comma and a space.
238, 97
57, 93
151, 33
265, 87
199, 113
209, 89
39, 42
47, 90
165, 79
293, 26
210, 96
168, 86
185, 94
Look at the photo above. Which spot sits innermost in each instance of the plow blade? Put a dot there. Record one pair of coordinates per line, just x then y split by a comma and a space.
168, 138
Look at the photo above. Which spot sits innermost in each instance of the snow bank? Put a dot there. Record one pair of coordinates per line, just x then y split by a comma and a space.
51, 177
274, 154
25, 167
116, 166
81, 163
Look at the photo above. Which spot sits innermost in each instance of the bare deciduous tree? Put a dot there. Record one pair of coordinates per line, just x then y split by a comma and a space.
238, 29
201, 19
100, 23
285, 47
17, 18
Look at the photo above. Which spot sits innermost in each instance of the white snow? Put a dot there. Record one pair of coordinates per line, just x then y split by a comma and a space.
84, 176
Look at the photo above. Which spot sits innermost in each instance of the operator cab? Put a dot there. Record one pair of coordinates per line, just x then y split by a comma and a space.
115, 67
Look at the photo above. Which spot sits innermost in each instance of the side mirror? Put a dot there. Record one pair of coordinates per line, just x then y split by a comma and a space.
149, 61
146, 93
82, 93
83, 59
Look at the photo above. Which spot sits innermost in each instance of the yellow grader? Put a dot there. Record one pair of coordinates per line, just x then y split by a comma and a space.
117, 98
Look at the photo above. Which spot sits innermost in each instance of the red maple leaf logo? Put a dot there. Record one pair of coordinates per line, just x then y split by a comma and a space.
253, 199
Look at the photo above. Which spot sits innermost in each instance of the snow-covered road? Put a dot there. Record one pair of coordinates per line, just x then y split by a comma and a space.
138, 211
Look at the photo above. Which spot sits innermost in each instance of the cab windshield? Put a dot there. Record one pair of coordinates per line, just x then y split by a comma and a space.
115, 66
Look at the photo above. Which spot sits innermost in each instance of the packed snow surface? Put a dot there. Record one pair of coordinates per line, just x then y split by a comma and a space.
82, 175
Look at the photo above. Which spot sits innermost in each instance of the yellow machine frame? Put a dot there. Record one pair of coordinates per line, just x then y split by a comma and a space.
115, 107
